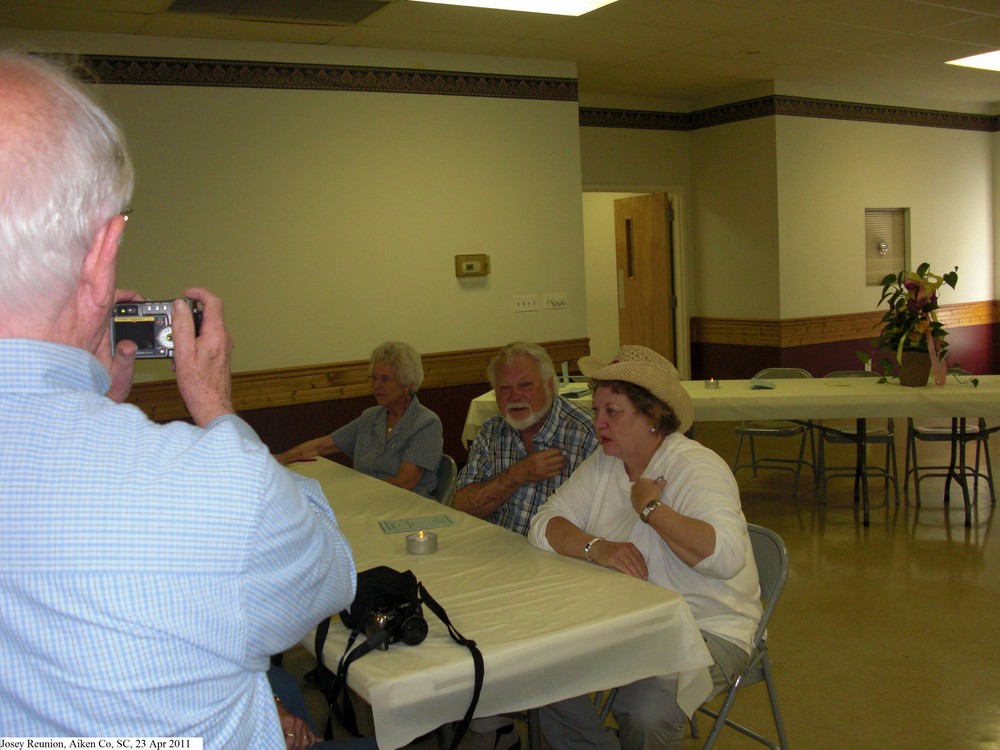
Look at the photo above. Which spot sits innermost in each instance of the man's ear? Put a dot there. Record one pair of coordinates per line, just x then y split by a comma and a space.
97, 276
553, 386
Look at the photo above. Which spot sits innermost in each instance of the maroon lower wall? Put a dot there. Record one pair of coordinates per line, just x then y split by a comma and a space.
974, 348
729, 362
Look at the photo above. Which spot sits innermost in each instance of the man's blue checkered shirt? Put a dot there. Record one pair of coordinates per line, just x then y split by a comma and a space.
498, 446
147, 571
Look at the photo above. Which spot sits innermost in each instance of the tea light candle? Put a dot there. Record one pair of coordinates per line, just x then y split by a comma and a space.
711, 383
422, 543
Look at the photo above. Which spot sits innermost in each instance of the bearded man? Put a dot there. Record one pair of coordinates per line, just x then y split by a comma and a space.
522, 454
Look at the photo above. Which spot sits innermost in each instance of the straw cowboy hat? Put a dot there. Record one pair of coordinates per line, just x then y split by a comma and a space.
649, 370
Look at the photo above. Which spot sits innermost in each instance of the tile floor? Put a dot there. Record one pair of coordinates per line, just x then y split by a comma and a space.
886, 636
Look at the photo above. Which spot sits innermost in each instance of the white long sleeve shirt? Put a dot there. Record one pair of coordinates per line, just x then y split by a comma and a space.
722, 590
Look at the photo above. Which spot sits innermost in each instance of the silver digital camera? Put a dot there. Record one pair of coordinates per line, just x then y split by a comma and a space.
149, 325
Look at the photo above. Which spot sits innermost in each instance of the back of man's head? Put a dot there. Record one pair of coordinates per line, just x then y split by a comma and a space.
517, 349
64, 172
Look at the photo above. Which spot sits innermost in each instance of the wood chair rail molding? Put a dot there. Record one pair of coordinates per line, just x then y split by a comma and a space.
262, 389
825, 329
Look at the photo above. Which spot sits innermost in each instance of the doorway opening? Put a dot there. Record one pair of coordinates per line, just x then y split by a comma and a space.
605, 293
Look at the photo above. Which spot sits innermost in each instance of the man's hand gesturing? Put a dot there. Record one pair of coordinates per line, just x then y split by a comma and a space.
541, 465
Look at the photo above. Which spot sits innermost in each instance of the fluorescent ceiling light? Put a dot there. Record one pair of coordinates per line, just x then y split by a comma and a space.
555, 7
986, 61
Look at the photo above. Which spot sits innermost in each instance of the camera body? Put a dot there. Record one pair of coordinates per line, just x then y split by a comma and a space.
149, 325
403, 622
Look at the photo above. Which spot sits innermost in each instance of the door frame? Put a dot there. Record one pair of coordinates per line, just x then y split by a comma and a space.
682, 280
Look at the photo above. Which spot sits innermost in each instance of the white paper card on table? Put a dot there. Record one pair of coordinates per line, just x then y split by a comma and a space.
415, 524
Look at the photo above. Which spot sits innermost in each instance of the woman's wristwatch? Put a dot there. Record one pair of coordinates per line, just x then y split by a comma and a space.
650, 507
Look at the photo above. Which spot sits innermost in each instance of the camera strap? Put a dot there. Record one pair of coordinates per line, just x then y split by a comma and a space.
338, 695
477, 661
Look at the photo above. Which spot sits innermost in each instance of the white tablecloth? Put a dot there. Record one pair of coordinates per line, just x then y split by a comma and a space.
549, 627
811, 398
843, 398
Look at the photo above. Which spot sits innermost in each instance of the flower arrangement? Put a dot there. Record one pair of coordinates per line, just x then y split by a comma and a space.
910, 323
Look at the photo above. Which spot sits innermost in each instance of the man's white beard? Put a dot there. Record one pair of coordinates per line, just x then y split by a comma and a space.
533, 417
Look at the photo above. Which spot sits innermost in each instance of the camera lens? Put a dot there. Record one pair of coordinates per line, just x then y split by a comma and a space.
413, 630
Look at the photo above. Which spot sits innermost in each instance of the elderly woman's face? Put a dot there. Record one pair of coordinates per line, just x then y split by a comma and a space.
387, 389
623, 430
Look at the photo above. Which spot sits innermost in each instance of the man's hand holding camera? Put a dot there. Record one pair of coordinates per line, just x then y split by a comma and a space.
120, 362
202, 362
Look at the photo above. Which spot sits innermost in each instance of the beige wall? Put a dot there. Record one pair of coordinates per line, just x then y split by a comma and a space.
735, 261
329, 221
621, 159
830, 171
995, 144
776, 224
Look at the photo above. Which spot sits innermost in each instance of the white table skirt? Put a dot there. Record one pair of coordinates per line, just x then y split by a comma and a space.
549, 627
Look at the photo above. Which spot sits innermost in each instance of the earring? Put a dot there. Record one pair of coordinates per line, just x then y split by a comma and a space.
652, 428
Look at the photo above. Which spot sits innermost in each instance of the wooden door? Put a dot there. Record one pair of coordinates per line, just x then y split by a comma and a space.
644, 249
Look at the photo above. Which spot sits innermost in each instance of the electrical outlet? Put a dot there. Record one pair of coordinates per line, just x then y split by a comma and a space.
555, 301
525, 302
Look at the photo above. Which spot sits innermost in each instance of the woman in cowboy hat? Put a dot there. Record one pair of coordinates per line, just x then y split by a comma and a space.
656, 505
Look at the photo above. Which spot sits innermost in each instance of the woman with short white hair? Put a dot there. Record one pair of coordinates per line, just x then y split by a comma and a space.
399, 441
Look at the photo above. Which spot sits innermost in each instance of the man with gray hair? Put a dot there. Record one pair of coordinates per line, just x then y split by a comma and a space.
149, 571
522, 454
518, 459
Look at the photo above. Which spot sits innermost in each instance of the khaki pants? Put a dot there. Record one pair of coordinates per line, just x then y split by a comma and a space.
646, 711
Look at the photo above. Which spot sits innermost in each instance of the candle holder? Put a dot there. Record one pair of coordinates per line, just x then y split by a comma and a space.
712, 383
422, 543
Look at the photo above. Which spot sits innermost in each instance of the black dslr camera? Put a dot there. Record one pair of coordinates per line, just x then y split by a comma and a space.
148, 324
403, 622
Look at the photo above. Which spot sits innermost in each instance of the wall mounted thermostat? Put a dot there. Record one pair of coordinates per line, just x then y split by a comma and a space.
472, 265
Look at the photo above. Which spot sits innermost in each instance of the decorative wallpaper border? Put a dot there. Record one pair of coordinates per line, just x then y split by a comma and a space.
789, 106
178, 71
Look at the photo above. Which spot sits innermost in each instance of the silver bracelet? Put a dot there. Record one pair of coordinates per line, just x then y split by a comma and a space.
588, 545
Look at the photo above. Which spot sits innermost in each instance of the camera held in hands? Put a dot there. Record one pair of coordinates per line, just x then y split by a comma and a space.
404, 622
149, 325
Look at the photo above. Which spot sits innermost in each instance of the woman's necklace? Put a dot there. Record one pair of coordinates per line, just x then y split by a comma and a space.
391, 420
390, 423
